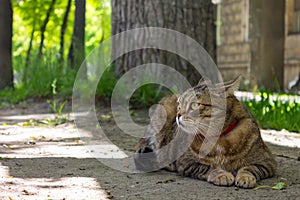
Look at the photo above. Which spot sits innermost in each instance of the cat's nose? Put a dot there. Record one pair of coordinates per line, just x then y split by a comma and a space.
178, 114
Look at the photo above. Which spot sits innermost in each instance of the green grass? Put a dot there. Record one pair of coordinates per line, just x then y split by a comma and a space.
46, 78
143, 97
52, 80
106, 84
10, 97
147, 95
273, 113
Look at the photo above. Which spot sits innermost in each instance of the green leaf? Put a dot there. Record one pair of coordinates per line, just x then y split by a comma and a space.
278, 186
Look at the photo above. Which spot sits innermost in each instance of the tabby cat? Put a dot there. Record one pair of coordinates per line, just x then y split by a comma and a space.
239, 156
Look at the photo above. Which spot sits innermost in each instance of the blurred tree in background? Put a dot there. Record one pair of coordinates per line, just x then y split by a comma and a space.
6, 20
49, 42
77, 51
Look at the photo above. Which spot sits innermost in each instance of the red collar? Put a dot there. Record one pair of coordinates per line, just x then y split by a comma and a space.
229, 128
226, 131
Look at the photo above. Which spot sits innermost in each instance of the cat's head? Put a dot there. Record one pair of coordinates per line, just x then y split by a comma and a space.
203, 103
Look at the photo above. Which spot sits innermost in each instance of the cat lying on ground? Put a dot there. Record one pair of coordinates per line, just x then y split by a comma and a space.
239, 156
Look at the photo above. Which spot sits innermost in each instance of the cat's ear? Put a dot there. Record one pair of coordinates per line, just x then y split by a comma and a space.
230, 87
204, 81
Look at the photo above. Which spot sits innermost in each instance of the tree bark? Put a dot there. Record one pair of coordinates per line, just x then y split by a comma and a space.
43, 28
63, 30
195, 18
28, 54
76, 52
6, 20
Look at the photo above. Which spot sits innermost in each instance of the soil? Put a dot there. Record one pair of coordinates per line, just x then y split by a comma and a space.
51, 162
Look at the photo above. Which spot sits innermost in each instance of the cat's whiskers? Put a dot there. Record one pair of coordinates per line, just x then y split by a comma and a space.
200, 132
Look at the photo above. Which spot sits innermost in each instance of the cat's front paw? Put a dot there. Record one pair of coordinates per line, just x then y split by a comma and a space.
220, 177
145, 149
145, 159
245, 180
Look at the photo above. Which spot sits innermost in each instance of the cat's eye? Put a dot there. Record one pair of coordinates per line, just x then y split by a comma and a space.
195, 106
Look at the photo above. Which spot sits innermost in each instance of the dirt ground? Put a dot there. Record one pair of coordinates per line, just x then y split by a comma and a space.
51, 162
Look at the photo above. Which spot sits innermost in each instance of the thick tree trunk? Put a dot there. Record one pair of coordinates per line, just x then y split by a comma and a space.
195, 18
6, 20
76, 52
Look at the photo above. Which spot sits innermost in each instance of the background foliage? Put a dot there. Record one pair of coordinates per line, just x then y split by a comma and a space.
50, 76
35, 75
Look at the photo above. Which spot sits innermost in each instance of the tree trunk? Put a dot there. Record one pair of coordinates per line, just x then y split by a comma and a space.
63, 30
28, 54
6, 20
195, 18
43, 28
76, 52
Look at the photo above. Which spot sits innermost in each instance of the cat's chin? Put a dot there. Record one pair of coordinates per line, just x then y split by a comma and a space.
184, 128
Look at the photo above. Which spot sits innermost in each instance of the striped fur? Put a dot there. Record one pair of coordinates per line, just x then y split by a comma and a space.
239, 158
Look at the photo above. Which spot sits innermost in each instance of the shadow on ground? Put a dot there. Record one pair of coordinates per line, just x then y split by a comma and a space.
119, 185
40, 172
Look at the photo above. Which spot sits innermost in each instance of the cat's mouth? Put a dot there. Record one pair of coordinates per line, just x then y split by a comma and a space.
181, 124
185, 126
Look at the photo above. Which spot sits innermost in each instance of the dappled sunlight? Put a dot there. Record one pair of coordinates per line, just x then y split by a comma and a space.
23, 118
63, 150
54, 163
35, 142
49, 188
22, 134
281, 138
4, 171
53, 146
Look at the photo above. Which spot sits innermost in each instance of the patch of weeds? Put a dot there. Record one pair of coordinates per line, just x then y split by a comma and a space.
46, 122
38, 79
56, 107
273, 113
10, 96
